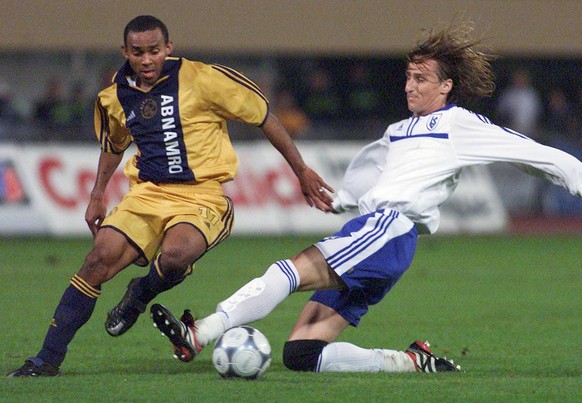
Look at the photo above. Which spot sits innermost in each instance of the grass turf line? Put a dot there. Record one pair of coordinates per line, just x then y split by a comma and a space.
506, 308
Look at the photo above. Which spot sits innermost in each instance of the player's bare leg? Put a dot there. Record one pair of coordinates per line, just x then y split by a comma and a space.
111, 253
183, 244
318, 321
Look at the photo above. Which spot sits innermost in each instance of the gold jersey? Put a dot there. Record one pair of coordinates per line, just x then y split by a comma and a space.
179, 125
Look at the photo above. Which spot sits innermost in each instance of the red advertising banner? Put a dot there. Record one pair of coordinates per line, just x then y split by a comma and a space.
45, 189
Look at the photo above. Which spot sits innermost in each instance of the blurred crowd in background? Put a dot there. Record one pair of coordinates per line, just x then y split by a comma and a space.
339, 98
50, 98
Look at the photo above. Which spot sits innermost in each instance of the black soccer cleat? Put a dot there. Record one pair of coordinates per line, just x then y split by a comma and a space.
180, 332
33, 367
124, 315
426, 361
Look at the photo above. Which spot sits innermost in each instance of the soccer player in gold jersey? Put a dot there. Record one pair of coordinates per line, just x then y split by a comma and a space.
175, 112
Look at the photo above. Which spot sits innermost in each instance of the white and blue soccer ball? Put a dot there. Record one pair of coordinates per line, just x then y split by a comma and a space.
242, 352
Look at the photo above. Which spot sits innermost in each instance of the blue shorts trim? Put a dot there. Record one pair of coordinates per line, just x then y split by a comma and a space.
380, 247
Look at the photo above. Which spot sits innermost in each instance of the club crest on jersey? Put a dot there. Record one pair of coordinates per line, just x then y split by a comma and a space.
148, 108
433, 121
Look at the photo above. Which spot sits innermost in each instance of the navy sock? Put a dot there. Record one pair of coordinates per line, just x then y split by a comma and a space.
155, 282
74, 310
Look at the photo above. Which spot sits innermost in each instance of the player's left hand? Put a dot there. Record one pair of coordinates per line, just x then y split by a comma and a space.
315, 190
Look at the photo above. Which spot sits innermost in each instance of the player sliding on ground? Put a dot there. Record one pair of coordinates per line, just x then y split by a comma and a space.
397, 183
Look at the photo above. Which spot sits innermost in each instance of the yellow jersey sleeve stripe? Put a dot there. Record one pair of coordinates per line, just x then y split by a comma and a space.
102, 126
239, 78
104, 129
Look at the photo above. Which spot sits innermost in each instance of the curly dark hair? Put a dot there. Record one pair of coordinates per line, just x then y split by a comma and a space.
460, 58
144, 23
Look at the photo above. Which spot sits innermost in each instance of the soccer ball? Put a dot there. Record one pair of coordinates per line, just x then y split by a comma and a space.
242, 352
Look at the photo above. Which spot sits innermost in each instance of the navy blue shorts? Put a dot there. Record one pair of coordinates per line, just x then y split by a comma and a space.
370, 253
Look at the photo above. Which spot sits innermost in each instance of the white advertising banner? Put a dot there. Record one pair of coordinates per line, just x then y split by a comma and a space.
45, 190
266, 194
19, 213
56, 181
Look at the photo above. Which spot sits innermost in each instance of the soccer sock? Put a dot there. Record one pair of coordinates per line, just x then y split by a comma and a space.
155, 282
397, 361
74, 310
346, 357
252, 302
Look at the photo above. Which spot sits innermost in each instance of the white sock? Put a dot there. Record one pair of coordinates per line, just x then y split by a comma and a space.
252, 302
397, 361
346, 357
210, 328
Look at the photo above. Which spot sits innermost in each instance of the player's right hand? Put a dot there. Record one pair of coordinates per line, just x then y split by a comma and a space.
315, 190
95, 214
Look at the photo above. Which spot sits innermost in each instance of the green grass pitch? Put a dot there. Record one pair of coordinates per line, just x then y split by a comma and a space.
507, 309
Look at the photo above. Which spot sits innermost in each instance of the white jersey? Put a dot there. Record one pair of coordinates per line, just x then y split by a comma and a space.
417, 164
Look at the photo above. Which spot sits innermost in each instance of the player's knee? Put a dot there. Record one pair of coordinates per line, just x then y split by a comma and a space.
175, 259
172, 258
172, 267
99, 266
302, 355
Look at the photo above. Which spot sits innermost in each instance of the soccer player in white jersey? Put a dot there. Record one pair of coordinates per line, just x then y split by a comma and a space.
397, 183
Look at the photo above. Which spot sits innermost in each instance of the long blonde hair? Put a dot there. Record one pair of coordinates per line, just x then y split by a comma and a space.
460, 58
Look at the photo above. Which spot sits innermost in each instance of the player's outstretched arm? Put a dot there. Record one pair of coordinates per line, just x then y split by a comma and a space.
312, 185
